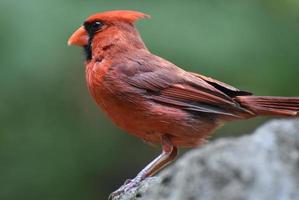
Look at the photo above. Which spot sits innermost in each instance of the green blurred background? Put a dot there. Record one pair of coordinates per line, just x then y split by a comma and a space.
55, 144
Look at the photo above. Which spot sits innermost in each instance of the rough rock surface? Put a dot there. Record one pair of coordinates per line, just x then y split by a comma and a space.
260, 166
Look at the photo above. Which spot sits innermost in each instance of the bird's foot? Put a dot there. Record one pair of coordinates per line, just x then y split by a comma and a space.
127, 186
128, 181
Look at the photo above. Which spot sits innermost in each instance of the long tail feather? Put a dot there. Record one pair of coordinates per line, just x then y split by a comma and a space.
267, 105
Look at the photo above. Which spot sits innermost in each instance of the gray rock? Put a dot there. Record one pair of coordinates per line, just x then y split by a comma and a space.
261, 166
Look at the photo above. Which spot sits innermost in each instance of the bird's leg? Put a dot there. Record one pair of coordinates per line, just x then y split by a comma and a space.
169, 153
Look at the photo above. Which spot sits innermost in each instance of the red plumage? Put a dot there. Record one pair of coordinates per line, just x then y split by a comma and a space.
263, 105
155, 100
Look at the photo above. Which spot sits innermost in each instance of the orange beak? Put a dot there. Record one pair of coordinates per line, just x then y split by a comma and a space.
79, 37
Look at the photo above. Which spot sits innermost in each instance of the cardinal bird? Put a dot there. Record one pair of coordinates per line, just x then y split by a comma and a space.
152, 98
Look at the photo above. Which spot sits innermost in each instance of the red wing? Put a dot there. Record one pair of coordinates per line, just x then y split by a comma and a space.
189, 93
227, 89
185, 93
165, 83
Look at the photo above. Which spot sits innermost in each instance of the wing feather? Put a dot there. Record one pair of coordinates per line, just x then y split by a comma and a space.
165, 83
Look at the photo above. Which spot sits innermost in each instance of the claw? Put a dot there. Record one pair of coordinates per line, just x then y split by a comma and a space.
168, 154
128, 185
128, 181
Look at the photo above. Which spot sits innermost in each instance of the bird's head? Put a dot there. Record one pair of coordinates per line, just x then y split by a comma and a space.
103, 30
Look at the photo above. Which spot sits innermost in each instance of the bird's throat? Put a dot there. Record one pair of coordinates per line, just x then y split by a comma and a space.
88, 51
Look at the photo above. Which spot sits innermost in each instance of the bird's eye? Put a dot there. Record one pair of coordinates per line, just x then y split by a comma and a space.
96, 25
93, 27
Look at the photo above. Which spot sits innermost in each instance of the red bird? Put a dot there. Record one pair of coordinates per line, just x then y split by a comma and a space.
153, 99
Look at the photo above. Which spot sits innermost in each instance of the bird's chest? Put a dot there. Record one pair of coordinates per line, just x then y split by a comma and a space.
98, 83
113, 96
95, 74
